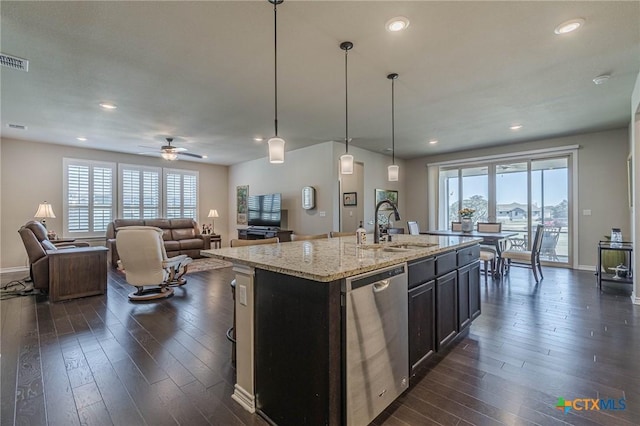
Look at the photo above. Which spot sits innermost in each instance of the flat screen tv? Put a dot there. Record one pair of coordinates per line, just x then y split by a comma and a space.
264, 210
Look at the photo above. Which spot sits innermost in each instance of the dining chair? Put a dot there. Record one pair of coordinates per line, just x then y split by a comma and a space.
456, 226
414, 228
526, 258
550, 242
334, 234
488, 253
301, 237
231, 331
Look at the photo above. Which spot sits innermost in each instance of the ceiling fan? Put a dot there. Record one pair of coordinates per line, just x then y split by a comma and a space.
170, 152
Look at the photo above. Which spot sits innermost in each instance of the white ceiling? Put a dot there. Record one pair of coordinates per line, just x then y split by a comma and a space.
202, 72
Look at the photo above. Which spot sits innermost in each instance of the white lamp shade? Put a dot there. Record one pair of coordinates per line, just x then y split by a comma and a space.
276, 150
393, 172
213, 213
45, 210
346, 164
169, 155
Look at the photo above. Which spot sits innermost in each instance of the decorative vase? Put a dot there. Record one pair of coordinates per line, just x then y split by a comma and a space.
467, 224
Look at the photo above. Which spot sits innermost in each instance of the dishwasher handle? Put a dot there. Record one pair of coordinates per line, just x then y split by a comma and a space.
380, 286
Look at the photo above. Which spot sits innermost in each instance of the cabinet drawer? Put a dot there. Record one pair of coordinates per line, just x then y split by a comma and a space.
468, 255
446, 263
421, 270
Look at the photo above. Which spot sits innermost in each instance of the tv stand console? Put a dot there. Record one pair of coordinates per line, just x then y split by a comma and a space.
260, 233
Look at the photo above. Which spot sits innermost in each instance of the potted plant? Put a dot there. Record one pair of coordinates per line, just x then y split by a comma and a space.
465, 219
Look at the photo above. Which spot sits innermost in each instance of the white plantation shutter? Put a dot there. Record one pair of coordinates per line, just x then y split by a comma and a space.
181, 193
140, 193
89, 188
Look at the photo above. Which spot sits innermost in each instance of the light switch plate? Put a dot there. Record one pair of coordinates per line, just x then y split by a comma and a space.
242, 295
322, 214
586, 212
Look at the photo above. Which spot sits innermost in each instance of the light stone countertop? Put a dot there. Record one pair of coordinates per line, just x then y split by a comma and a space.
332, 259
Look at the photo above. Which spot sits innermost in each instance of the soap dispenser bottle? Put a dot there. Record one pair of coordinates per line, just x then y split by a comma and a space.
361, 235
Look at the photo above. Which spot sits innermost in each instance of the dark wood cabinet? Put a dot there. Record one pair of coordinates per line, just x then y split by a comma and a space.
264, 233
422, 333
446, 309
468, 294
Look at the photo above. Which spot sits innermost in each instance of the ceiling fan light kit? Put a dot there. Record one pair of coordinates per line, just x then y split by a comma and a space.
346, 159
276, 144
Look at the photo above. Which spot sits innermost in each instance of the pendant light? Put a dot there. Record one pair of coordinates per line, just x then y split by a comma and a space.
346, 159
393, 169
276, 144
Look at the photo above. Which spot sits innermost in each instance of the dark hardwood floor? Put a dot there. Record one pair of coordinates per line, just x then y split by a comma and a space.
104, 360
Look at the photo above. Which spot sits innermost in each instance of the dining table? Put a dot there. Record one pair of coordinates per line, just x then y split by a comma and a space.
488, 238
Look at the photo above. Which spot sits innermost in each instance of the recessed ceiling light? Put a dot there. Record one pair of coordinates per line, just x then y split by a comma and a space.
433, 141
569, 26
601, 79
258, 139
516, 127
398, 23
205, 156
108, 105
81, 139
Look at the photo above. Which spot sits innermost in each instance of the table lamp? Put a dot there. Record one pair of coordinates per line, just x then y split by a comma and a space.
44, 211
213, 213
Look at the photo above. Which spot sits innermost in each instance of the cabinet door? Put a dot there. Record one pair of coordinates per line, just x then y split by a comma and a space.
468, 294
447, 314
421, 324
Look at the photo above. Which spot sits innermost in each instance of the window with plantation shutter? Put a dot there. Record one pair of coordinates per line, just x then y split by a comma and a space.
139, 192
181, 193
89, 190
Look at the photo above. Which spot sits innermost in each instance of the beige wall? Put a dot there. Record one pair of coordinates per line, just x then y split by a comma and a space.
602, 183
32, 173
315, 166
634, 142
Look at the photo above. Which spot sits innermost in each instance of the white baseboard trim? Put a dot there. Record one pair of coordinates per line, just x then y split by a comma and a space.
244, 398
635, 299
591, 268
14, 269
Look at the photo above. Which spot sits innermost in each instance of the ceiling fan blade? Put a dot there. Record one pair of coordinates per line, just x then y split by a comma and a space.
179, 149
147, 146
153, 154
191, 155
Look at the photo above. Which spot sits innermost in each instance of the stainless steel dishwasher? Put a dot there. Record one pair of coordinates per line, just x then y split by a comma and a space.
376, 337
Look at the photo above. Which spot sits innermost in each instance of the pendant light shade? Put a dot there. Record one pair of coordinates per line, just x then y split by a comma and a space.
346, 160
346, 164
393, 170
276, 144
276, 150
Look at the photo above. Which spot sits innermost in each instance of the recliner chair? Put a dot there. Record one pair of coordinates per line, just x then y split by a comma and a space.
145, 262
36, 242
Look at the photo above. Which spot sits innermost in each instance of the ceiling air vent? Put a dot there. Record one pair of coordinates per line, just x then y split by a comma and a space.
17, 126
14, 62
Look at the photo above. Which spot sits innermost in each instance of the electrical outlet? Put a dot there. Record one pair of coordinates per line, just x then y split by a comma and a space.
242, 295
586, 212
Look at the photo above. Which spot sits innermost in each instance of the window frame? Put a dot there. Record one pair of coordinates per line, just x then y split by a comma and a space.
122, 167
182, 173
91, 164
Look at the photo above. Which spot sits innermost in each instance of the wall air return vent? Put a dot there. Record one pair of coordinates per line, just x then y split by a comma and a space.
17, 126
14, 62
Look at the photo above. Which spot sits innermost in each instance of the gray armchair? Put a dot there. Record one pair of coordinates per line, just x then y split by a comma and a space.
36, 242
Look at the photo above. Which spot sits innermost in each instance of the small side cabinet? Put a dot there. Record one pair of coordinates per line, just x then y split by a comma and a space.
77, 272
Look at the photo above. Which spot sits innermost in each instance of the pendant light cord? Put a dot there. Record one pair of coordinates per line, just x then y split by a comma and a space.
346, 101
393, 122
275, 64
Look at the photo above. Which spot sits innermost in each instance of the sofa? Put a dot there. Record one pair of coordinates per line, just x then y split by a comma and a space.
180, 236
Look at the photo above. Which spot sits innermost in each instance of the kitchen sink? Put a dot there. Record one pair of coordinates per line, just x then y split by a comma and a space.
398, 247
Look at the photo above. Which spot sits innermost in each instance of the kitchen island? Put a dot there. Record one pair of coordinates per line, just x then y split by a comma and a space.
290, 315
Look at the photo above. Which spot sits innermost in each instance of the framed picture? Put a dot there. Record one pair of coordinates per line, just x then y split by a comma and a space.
350, 199
242, 192
386, 194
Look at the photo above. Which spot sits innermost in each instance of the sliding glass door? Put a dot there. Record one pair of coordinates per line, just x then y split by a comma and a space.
520, 194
